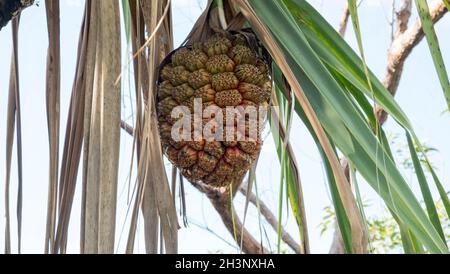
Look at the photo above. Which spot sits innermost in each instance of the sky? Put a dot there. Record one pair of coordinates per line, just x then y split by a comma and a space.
419, 94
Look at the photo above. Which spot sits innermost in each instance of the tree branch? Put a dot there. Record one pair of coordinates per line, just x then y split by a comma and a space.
344, 20
271, 219
221, 200
403, 17
402, 45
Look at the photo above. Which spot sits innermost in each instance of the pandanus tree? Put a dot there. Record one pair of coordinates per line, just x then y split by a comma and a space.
247, 53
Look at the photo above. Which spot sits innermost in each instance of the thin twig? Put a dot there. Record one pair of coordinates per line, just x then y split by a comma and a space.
127, 128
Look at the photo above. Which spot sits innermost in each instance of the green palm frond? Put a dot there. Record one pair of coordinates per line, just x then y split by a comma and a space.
314, 60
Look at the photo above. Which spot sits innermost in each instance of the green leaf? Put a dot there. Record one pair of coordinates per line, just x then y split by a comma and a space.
341, 216
127, 19
347, 68
336, 53
426, 193
342, 121
287, 172
409, 241
433, 44
354, 15
442, 193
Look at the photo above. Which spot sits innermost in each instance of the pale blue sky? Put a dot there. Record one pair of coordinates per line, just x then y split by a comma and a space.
419, 94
